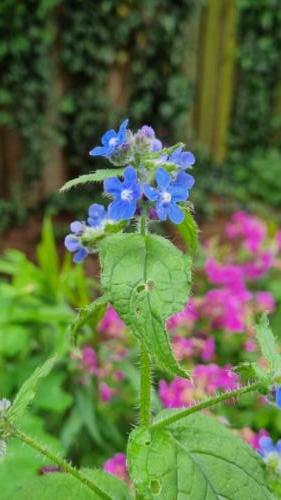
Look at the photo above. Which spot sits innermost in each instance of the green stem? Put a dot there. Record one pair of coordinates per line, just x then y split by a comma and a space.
145, 387
65, 466
205, 404
143, 225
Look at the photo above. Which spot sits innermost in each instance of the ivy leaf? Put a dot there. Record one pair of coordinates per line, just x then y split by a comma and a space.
147, 279
195, 458
28, 390
61, 486
268, 344
188, 230
97, 176
96, 308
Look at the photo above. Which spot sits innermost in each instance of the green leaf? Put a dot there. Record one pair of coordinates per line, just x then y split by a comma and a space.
28, 390
96, 308
268, 344
196, 458
188, 230
147, 279
22, 463
51, 396
97, 176
61, 486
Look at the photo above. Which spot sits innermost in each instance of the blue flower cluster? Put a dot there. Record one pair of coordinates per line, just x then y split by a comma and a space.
278, 396
271, 453
154, 180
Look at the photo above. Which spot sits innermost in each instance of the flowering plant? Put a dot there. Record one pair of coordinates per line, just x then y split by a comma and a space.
180, 452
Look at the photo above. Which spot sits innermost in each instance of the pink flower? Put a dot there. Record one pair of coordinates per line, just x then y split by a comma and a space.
248, 227
106, 392
117, 466
89, 360
259, 267
177, 394
228, 275
250, 346
213, 377
111, 324
226, 309
206, 380
265, 301
208, 349
185, 318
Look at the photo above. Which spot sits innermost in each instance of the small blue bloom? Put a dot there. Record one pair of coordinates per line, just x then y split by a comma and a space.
183, 159
111, 141
73, 244
97, 214
126, 194
169, 193
278, 396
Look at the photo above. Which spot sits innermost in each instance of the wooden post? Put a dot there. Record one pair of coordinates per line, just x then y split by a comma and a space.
216, 63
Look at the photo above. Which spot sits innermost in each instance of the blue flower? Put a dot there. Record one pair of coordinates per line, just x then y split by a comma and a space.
97, 215
278, 396
126, 194
73, 244
183, 159
169, 193
271, 453
111, 141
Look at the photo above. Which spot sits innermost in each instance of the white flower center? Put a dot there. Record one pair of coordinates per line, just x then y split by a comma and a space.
126, 195
112, 141
166, 197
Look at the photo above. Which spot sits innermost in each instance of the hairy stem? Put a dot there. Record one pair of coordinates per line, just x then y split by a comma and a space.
205, 404
65, 466
143, 225
145, 387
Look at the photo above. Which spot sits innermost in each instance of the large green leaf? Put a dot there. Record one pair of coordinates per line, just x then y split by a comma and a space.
60, 486
147, 279
188, 230
27, 392
194, 459
268, 343
97, 176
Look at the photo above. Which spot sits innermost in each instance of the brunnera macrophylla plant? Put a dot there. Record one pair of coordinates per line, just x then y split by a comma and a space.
178, 453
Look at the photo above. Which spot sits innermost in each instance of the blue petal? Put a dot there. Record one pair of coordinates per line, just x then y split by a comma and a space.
161, 211
266, 444
156, 145
130, 176
77, 227
122, 129
151, 193
80, 255
175, 214
96, 211
98, 151
113, 186
185, 180
180, 193
163, 178
122, 210
189, 158
278, 396
71, 243
110, 134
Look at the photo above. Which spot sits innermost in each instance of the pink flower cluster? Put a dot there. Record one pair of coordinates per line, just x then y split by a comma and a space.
111, 328
117, 466
206, 381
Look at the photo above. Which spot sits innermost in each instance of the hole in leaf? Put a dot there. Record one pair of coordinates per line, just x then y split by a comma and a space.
140, 287
155, 486
150, 285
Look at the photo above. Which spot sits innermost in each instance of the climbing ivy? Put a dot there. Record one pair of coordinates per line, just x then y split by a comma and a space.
259, 40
